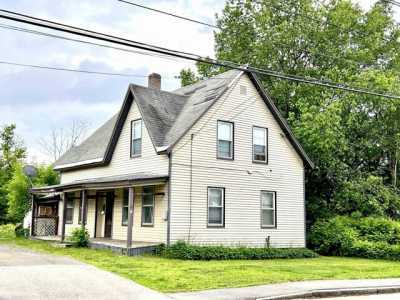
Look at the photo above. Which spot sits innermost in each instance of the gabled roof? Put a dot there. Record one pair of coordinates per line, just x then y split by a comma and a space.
167, 117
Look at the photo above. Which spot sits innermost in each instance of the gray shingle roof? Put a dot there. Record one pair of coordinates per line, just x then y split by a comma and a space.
167, 117
94, 147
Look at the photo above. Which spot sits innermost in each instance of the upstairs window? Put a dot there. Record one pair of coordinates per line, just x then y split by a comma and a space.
125, 207
260, 144
136, 135
268, 209
225, 140
216, 203
148, 206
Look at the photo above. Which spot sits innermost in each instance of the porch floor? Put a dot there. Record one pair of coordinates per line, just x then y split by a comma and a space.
118, 246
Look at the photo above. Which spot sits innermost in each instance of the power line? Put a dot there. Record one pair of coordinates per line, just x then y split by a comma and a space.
169, 14
183, 55
40, 33
308, 17
70, 70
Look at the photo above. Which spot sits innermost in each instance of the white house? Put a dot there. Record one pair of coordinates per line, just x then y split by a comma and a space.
209, 163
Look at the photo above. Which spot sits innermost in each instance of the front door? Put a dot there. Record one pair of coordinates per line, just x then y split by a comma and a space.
109, 214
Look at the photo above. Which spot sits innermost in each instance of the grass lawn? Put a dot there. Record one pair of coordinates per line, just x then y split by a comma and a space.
168, 275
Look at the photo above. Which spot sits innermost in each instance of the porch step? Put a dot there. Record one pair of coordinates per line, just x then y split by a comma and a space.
62, 245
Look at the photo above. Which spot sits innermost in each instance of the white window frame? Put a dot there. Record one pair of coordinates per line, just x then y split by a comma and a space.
133, 138
144, 224
72, 208
265, 141
232, 148
222, 207
125, 194
274, 215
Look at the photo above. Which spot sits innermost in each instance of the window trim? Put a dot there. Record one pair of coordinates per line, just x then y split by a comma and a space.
122, 209
141, 138
154, 204
232, 142
80, 209
222, 225
265, 162
274, 226
73, 210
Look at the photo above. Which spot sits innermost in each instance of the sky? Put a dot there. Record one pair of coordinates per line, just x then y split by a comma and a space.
39, 101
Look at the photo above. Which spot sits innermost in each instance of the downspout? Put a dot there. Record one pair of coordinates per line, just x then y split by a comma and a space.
190, 186
169, 199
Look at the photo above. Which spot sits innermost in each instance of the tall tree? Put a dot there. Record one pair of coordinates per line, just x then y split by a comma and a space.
11, 153
63, 138
349, 136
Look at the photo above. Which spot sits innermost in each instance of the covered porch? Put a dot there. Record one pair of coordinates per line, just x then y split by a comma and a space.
126, 214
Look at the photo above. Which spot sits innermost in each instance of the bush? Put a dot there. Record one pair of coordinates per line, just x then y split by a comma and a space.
7, 231
80, 237
362, 237
20, 231
182, 250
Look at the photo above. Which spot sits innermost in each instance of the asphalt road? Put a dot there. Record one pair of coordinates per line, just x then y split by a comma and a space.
370, 297
28, 275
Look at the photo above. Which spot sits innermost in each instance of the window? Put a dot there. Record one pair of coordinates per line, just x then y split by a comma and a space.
80, 210
69, 214
125, 207
225, 140
216, 202
260, 144
136, 134
268, 209
148, 206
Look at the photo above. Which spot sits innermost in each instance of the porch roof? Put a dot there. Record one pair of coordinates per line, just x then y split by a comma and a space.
103, 182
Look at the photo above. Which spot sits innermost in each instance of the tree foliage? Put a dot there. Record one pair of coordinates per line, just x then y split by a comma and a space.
353, 138
11, 153
19, 201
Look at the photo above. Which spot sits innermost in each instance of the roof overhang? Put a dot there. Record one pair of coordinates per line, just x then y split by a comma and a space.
103, 183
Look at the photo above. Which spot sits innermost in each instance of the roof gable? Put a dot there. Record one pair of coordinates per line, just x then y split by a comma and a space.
167, 117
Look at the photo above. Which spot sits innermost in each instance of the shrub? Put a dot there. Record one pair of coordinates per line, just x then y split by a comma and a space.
182, 250
20, 231
80, 237
363, 237
7, 231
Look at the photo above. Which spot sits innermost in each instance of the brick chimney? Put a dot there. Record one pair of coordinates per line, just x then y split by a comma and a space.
154, 81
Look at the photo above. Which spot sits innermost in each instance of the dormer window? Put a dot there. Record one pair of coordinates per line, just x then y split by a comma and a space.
136, 138
225, 140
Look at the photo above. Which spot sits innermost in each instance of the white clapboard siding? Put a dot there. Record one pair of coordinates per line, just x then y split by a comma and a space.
242, 179
121, 162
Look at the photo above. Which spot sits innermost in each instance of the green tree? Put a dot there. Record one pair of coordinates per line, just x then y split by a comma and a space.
18, 195
187, 77
19, 200
12, 152
348, 135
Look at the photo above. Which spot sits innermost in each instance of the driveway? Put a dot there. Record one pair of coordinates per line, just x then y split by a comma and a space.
28, 275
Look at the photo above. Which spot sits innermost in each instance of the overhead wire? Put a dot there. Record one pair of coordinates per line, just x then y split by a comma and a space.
183, 55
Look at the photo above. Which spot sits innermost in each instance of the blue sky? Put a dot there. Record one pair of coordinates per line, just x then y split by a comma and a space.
39, 100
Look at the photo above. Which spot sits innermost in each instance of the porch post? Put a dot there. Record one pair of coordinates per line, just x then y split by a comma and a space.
131, 197
33, 215
64, 214
83, 211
